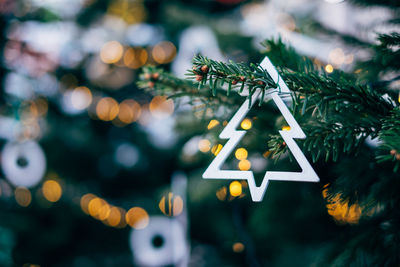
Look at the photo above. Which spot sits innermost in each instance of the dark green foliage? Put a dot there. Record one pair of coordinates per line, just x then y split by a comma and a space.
338, 112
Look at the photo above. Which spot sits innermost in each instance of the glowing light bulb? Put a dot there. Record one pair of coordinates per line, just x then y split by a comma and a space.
235, 188
246, 124
329, 68
241, 153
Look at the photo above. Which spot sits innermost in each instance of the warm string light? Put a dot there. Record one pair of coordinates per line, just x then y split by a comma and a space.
212, 124
235, 188
171, 205
233, 191
340, 209
129, 111
113, 216
329, 68
130, 11
52, 190
114, 52
246, 124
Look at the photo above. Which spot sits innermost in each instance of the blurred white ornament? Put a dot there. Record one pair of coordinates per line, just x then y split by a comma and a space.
161, 131
161, 243
18, 85
68, 105
23, 164
127, 155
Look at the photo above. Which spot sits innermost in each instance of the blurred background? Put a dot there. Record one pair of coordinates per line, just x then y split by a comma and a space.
97, 172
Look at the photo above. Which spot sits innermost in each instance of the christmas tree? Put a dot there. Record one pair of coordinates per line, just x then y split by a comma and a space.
105, 142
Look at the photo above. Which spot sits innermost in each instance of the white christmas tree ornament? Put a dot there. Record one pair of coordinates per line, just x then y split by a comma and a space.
234, 136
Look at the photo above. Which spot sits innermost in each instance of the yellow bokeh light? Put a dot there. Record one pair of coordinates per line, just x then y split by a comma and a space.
98, 208
204, 145
172, 206
23, 196
81, 97
114, 217
104, 211
111, 52
52, 190
216, 149
398, 98
177, 205
241, 153
163, 52
329, 68
221, 193
130, 11
244, 165
235, 189
107, 109
137, 218
42, 106
85, 199
340, 210
161, 107
135, 57
286, 128
246, 124
129, 111
237, 247
212, 124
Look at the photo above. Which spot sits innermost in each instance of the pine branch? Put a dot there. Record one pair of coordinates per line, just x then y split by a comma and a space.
386, 56
336, 112
157, 80
237, 76
390, 136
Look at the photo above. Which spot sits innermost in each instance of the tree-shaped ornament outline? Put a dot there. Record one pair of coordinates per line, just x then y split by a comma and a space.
234, 136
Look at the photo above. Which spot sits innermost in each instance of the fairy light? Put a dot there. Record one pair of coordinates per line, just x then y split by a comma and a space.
129, 111
246, 124
216, 149
244, 165
163, 52
84, 202
137, 218
107, 109
111, 52
241, 153
329, 68
135, 57
221, 193
172, 205
52, 190
204, 145
340, 209
161, 107
23, 196
286, 128
235, 189
238, 247
114, 217
81, 97
212, 124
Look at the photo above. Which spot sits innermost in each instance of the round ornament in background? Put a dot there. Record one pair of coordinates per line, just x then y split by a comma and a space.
161, 243
23, 164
